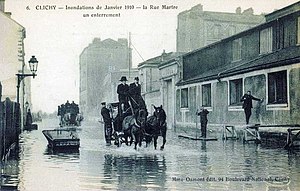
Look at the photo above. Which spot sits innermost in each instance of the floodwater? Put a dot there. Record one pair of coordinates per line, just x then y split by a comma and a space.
183, 165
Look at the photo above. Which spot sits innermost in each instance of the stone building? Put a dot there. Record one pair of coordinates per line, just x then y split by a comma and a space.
96, 60
264, 59
151, 81
12, 60
197, 28
112, 80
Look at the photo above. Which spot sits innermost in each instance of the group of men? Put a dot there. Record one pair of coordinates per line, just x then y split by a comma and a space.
127, 94
71, 108
68, 107
247, 106
130, 93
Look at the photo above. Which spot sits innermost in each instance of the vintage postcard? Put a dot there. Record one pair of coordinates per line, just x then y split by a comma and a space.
149, 95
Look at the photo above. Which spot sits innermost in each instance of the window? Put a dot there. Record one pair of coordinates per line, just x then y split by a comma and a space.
298, 31
231, 30
217, 31
206, 95
277, 87
184, 98
237, 49
265, 41
289, 36
236, 91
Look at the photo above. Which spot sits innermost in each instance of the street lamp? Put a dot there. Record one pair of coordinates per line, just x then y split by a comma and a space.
33, 64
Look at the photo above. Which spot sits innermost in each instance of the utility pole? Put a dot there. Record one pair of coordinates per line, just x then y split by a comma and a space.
129, 55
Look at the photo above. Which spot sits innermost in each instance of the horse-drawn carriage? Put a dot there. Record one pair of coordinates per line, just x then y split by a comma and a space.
69, 115
134, 125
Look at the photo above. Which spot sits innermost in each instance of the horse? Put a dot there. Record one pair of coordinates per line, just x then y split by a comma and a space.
133, 126
156, 126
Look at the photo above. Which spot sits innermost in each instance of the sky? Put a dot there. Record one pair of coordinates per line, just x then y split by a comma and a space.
58, 36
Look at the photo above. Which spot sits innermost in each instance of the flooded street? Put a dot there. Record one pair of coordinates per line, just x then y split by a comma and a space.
183, 165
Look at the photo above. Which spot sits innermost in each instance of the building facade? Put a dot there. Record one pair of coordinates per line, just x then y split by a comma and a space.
197, 28
13, 60
170, 74
112, 80
264, 59
96, 60
154, 88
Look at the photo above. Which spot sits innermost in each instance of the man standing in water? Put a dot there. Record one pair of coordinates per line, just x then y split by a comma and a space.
247, 105
203, 120
107, 123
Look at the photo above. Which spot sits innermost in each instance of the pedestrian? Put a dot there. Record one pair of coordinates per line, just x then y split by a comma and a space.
122, 91
28, 119
107, 123
203, 120
247, 105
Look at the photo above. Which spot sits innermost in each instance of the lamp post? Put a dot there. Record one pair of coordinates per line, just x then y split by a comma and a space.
33, 64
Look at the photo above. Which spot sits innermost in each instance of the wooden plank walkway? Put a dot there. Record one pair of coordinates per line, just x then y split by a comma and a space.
198, 138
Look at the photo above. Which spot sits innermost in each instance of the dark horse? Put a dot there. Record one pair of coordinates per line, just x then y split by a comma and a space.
134, 126
156, 126
130, 124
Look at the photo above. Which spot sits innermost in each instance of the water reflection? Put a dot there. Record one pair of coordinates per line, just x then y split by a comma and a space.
139, 171
97, 167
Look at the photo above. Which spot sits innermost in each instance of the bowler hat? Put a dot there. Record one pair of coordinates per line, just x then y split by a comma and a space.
136, 78
123, 78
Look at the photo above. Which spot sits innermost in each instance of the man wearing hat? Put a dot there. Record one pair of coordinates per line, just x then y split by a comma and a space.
135, 94
107, 123
122, 91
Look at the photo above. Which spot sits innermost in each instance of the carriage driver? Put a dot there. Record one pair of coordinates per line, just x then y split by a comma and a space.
122, 91
107, 123
135, 93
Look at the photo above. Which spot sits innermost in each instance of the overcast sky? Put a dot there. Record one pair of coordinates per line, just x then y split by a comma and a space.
57, 37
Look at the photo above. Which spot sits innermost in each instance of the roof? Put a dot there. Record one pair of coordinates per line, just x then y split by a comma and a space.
9, 17
283, 12
233, 17
158, 59
275, 59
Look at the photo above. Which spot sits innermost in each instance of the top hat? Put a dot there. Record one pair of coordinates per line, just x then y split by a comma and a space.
136, 78
123, 78
103, 103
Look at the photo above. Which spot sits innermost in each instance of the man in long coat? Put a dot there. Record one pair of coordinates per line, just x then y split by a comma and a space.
107, 123
122, 91
135, 94
247, 105
203, 121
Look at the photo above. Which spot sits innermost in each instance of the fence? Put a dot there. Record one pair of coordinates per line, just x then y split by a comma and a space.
9, 124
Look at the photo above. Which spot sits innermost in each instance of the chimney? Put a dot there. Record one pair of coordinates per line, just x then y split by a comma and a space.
2, 5
163, 55
248, 11
238, 10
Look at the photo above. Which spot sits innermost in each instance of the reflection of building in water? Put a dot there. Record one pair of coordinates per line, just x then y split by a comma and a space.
141, 172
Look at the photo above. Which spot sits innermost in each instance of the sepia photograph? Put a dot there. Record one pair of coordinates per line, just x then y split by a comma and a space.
150, 95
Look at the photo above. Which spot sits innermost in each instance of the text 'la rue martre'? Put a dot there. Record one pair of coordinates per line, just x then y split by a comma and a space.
104, 7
